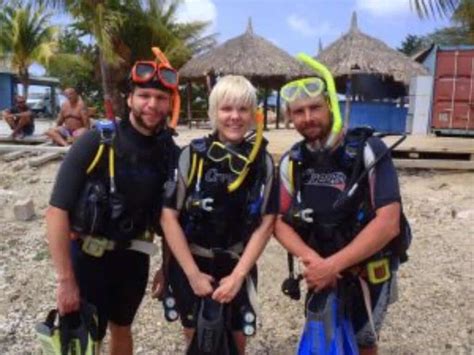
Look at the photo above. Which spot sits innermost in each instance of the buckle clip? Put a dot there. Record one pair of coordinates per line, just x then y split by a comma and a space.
306, 215
378, 271
94, 246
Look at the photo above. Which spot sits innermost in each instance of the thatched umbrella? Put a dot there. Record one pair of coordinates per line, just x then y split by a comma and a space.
374, 68
250, 55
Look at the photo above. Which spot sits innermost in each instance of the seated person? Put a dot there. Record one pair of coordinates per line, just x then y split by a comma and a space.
19, 118
73, 120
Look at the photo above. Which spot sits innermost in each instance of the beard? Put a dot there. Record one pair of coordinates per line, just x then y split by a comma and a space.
316, 132
152, 128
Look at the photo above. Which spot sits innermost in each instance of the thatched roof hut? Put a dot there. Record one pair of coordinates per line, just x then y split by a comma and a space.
356, 53
249, 55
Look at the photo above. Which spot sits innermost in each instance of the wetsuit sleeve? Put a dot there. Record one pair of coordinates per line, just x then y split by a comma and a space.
270, 191
284, 188
72, 172
175, 193
383, 179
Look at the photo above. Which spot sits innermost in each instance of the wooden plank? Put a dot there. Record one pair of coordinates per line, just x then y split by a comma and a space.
43, 158
32, 148
13, 155
26, 140
19, 153
441, 164
433, 144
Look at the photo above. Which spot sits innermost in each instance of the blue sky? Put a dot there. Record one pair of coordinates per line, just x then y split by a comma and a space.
297, 25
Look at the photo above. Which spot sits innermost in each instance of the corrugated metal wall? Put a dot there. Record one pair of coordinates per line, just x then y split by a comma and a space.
6, 91
453, 100
384, 117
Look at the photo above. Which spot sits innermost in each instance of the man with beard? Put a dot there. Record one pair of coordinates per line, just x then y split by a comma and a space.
106, 203
335, 245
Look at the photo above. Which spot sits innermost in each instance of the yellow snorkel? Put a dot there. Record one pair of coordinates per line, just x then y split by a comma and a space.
331, 89
234, 185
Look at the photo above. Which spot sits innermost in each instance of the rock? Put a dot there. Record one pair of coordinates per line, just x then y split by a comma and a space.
33, 180
467, 214
24, 210
18, 166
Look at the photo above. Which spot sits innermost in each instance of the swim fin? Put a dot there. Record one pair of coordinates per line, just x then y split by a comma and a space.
72, 334
212, 335
327, 331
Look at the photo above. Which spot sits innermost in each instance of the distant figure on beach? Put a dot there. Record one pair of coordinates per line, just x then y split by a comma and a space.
19, 118
73, 120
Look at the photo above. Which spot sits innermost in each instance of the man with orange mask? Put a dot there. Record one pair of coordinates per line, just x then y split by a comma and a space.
107, 195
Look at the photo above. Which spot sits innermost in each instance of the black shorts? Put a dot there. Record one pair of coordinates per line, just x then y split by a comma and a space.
28, 130
115, 283
187, 302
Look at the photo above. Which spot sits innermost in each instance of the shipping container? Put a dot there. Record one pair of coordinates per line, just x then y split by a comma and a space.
453, 97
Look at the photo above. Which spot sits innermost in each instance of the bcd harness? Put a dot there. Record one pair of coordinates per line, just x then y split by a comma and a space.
200, 209
352, 211
100, 207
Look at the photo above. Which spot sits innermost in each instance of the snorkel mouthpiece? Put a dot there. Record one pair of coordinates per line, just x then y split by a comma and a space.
331, 89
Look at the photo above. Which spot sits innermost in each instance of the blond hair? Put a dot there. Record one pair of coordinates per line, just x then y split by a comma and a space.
233, 89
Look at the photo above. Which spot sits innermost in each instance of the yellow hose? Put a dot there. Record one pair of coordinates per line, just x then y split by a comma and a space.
234, 185
96, 159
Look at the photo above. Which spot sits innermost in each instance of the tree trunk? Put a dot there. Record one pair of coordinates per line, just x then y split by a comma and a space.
104, 71
24, 79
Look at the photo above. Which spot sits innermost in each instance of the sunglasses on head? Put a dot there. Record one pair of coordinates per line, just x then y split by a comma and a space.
302, 88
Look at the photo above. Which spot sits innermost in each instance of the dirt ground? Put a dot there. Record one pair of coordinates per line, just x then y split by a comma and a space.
434, 314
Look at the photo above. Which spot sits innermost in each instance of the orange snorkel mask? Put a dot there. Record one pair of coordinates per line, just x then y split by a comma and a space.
161, 71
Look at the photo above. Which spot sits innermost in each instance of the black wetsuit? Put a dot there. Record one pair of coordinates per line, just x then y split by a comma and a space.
116, 282
223, 227
322, 181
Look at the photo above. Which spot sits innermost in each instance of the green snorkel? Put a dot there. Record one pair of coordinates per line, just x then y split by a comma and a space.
331, 89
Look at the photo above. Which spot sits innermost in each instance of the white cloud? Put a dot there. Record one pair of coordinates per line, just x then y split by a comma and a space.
302, 26
198, 10
384, 8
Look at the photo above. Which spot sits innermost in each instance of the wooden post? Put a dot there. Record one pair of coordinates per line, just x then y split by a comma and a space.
347, 109
278, 110
265, 110
188, 103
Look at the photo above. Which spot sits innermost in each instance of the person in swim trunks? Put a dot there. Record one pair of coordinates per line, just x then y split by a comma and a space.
73, 120
19, 118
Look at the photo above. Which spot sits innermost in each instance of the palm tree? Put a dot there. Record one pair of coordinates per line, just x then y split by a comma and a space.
126, 30
464, 16
442, 8
26, 38
461, 13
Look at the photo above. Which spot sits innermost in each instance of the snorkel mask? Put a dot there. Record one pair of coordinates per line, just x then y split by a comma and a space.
312, 87
238, 163
161, 71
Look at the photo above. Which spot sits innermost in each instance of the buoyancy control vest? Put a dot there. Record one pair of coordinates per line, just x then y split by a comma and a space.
321, 211
212, 216
122, 193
